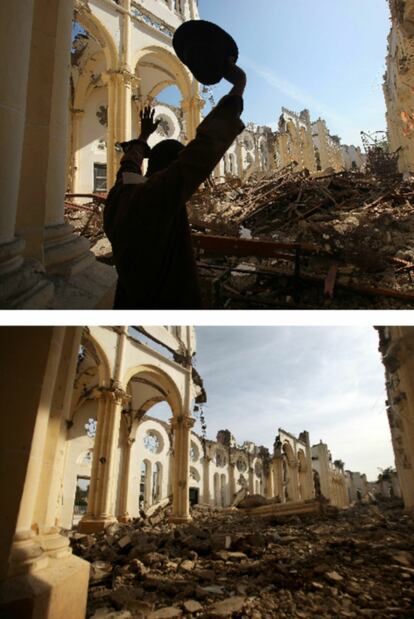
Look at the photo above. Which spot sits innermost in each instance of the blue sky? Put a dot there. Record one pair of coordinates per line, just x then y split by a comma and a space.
327, 380
328, 56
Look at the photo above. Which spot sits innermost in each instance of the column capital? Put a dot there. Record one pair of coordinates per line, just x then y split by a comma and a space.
114, 393
182, 421
188, 103
124, 73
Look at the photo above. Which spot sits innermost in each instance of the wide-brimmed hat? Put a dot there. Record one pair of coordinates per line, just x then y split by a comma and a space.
204, 48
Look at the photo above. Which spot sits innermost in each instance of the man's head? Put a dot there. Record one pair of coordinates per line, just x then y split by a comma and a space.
162, 155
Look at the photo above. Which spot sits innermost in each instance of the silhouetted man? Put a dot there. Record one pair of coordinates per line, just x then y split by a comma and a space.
145, 218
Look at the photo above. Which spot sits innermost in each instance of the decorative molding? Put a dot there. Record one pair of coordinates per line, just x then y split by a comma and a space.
151, 20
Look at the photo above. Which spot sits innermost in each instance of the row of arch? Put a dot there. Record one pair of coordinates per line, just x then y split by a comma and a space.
116, 84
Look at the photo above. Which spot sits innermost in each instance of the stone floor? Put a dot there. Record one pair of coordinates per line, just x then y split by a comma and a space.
352, 563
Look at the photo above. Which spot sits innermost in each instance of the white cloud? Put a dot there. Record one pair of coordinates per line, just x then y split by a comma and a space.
327, 380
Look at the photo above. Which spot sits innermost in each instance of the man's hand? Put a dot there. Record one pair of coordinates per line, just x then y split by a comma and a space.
148, 126
236, 76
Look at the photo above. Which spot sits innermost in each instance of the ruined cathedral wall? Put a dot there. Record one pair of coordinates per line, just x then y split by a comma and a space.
399, 83
397, 349
151, 452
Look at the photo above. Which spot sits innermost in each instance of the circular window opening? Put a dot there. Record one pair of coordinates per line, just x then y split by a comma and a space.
220, 459
241, 465
165, 127
258, 469
153, 442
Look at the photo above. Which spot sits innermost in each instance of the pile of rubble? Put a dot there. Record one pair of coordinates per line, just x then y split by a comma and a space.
337, 240
85, 214
225, 563
361, 226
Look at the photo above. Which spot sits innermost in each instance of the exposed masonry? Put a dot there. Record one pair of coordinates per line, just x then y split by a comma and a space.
397, 349
399, 83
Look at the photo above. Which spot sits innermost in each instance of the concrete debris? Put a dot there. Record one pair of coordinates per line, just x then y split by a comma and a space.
239, 497
345, 240
363, 226
357, 562
253, 500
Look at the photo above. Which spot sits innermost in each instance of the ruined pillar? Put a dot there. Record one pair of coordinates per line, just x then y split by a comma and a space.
251, 479
239, 156
293, 481
276, 470
397, 348
269, 488
232, 480
206, 480
191, 108
39, 576
283, 149
181, 426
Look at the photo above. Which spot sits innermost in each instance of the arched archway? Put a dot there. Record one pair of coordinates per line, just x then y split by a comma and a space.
95, 61
147, 385
157, 68
92, 375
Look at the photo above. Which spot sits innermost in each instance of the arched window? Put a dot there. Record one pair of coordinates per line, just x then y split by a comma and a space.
194, 452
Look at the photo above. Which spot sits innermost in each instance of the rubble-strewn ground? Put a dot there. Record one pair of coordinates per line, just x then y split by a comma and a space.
349, 563
356, 234
360, 225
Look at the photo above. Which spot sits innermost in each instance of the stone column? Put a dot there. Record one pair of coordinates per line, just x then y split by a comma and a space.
48, 506
64, 252
191, 108
181, 426
15, 28
232, 481
77, 116
27, 553
206, 480
44, 579
126, 478
111, 80
101, 489
277, 478
22, 283
269, 490
397, 348
148, 485
239, 156
251, 479
282, 144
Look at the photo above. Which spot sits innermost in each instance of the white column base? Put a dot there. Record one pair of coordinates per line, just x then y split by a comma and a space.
90, 524
59, 590
23, 282
80, 281
65, 253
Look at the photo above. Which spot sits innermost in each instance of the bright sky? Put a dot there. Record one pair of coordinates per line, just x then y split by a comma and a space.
327, 380
328, 56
